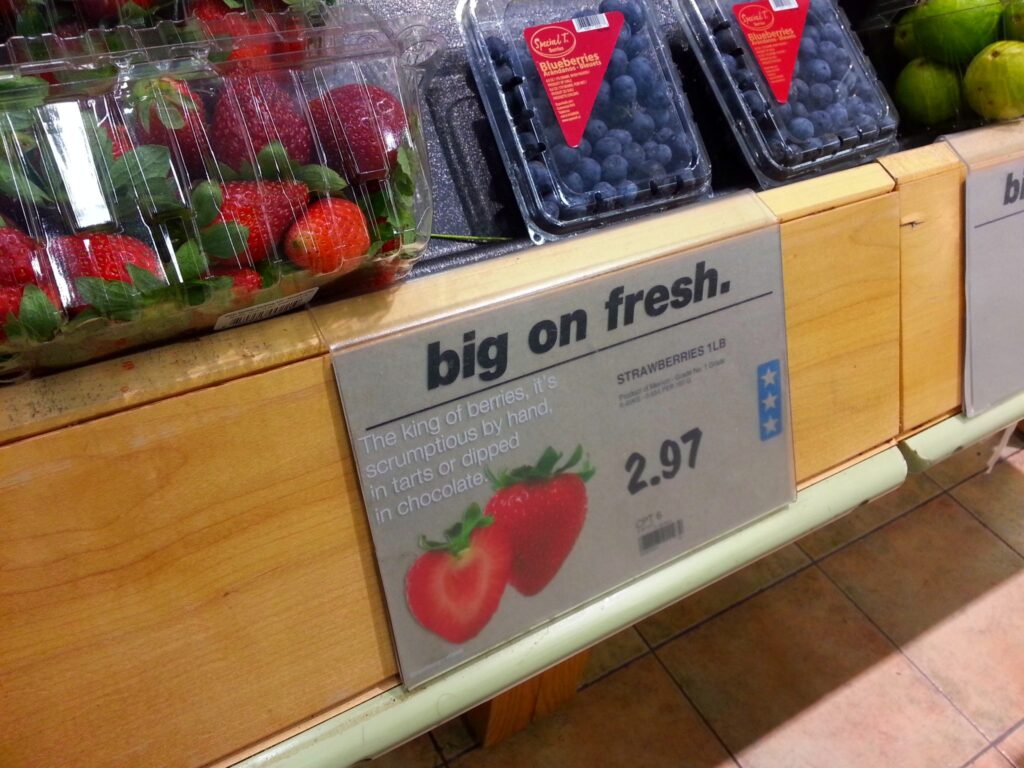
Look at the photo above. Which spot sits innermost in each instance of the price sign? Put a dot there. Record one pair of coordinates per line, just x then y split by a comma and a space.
523, 459
994, 264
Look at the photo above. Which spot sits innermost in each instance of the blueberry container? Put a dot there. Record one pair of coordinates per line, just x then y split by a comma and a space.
586, 105
800, 94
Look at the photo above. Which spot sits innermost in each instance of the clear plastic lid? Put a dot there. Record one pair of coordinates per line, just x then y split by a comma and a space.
801, 96
587, 109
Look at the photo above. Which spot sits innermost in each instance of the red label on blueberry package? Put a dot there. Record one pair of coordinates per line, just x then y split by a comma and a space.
571, 58
773, 29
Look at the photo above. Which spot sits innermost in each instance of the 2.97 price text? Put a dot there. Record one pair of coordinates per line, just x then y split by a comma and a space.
671, 457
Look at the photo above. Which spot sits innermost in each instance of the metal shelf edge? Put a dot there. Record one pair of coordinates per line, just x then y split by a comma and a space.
398, 715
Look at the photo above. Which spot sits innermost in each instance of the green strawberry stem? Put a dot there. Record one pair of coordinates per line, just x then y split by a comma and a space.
544, 469
457, 537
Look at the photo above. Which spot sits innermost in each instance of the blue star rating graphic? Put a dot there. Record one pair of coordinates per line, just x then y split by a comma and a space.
769, 399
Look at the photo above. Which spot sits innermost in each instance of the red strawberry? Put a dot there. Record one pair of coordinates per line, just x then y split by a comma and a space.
454, 588
21, 257
11, 304
331, 237
244, 282
104, 256
256, 109
542, 510
251, 37
120, 139
266, 208
169, 113
362, 127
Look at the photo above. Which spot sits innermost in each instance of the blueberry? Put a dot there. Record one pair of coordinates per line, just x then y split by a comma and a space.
576, 205
659, 98
590, 172
603, 99
887, 123
575, 182
606, 147
632, 11
818, 71
498, 49
855, 106
634, 154
596, 130
624, 90
833, 33
726, 41
784, 112
664, 119
658, 153
811, 31
642, 127
830, 143
808, 47
811, 150
565, 157
800, 110
529, 142
506, 77
549, 204
821, 95
798, 90
827, 50
822, 121
729, 62
614, 169
650, 170
848, 137
585, 148
637, 45
644, 76
683, 149
604, 192
616, 65
801, 129
620, 115
841, 61
781, 151
745, 79
755, 103
867, 126
839, 115
664, 135
624, 36
621, 135
627, 192
842, 92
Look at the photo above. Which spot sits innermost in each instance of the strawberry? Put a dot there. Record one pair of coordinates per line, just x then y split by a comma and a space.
542, 510
251, 37
454, 588
120, 139
256, 109
266, 208
21, 257
169, 113
35, 308
103, 256
362, 127
331, 237
244, 282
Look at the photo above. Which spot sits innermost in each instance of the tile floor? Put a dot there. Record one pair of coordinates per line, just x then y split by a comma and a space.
892, 638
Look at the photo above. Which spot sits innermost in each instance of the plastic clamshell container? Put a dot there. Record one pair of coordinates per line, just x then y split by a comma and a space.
167, 180
834, 112
640, 149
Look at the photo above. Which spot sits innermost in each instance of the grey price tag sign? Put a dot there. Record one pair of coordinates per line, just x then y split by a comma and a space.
521, 460
994, 271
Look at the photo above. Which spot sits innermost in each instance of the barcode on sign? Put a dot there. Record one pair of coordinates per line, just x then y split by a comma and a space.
660, 535
263, 311
783, 5
589, 23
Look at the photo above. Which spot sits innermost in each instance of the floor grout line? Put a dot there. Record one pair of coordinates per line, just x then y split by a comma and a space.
608, 673
1006, 734
986, 526
904, 654
707, 723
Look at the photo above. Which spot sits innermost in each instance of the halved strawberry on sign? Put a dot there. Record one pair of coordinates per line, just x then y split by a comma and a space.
169, 113
254, 111
541, 508
361, 127
454, 588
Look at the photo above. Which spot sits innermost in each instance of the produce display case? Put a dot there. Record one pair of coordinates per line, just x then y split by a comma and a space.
208, 594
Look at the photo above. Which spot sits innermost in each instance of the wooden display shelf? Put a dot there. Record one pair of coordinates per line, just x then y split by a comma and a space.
185, 567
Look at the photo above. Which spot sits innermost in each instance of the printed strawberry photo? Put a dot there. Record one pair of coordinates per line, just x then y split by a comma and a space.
454, 588
541, 509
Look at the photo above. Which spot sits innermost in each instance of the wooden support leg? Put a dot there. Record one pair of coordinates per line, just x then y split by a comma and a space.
510, 712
